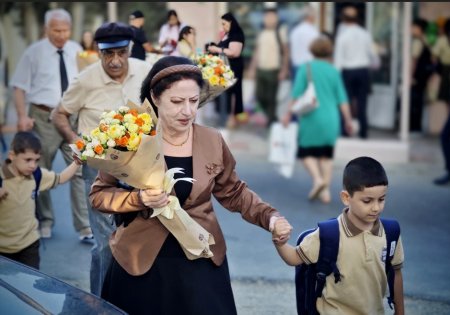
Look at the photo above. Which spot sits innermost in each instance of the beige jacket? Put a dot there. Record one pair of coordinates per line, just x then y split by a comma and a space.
136, 246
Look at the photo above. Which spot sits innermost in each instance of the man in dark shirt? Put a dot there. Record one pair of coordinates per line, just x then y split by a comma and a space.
141, 45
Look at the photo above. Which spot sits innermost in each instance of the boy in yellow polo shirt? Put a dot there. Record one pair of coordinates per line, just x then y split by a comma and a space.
362, 247
19, 236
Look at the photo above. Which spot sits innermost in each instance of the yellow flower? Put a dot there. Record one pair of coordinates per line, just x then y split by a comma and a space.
132, 128
116, 131
102, 137
133, 142
95, 133
214, 80
146, 117
146, 128
128, 118
209, 71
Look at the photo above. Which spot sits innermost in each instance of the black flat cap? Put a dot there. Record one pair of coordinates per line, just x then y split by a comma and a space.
136, 14
113, 35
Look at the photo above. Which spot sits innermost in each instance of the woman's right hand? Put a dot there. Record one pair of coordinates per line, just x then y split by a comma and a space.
153, 198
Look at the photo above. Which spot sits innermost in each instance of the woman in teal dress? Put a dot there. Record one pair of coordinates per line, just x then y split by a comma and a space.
320, 128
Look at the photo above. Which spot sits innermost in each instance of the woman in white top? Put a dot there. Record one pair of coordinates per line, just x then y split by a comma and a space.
169, 32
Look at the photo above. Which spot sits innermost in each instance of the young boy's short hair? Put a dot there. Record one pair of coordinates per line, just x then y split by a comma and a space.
24, 140
363, 172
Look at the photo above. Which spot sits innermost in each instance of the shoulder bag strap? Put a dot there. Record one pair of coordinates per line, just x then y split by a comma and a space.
392, 230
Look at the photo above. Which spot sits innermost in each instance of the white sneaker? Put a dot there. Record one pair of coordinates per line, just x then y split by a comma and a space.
86, 234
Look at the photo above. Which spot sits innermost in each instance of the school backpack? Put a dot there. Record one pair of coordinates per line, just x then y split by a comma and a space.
37, 175
310, 279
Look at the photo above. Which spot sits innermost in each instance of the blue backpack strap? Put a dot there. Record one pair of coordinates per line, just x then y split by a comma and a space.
329, 248
392, 230
37, 174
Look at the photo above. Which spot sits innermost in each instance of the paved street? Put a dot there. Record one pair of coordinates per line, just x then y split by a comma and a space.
262, 283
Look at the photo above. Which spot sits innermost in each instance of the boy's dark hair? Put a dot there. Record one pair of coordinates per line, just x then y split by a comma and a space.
24, 140
421, 23
363, 172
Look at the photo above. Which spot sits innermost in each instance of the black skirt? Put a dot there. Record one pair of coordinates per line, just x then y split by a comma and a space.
174, 285
315, 152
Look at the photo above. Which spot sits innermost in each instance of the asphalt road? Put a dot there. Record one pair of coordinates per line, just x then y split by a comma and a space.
262, 283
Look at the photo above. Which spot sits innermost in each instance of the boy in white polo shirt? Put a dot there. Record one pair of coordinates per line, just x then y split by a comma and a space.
362, 247
19, 236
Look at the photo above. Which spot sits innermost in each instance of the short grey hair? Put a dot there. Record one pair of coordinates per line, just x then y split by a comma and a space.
308, 11
57, 14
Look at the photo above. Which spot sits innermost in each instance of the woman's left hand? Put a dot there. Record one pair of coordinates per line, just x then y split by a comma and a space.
214, 49
349, 127
282, 230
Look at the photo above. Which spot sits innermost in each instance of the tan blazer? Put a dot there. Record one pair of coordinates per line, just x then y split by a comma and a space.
136, 246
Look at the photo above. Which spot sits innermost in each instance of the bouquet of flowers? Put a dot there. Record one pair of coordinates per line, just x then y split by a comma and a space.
217, 74
86, 58
128, 145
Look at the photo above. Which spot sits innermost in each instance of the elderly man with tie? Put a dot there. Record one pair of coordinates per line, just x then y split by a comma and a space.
42, 75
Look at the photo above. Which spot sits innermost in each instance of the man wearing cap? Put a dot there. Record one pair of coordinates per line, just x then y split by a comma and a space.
105, 85
140, 41
41, 77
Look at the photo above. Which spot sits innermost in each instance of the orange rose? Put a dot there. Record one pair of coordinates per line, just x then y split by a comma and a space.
153, 132
218, 70
122, 141
80, 144
103, 127
118, 117
139, 121
133, 112
98, 149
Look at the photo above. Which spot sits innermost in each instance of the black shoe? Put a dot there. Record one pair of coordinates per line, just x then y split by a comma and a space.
444, 180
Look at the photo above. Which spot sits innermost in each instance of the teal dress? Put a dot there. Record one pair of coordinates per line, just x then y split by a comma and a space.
321, 127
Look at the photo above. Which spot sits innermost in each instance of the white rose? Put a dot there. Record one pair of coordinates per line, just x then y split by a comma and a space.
123, 109
88, 153
111, 143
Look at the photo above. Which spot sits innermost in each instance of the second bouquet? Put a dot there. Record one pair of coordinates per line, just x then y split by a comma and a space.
128, 145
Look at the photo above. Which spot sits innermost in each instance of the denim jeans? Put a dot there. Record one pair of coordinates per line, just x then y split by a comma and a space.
102, 226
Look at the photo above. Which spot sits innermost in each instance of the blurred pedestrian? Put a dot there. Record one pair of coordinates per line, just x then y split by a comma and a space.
42, 75
87, 42
89, 55
421, 70
19, 237
441, 52
141, 44
270, 62
353, 55
150, 273
169, 33
231, 46
105, 86
186, 46
300, 39
319, 129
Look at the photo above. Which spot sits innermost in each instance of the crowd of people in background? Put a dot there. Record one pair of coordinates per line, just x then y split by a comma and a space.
66, 100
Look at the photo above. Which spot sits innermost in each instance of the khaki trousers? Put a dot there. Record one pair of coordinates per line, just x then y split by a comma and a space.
51, 141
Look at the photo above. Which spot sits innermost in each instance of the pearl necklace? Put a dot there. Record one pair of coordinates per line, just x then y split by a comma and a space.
182, 143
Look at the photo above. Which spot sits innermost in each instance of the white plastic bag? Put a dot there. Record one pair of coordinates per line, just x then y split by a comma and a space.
283, 147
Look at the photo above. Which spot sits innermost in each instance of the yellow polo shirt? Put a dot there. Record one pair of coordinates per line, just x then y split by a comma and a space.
361, 263
18, 223
93, 91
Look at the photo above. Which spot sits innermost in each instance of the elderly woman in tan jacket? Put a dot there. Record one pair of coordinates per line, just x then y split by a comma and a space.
150, 273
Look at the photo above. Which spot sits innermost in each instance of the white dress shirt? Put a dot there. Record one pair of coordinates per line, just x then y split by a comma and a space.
300, 39
37, 72
354, 48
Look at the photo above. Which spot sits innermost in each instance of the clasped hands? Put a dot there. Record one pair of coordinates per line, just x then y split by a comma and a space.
154, 198
281, 231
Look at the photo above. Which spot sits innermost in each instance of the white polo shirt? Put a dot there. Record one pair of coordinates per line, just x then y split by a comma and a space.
37, 72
